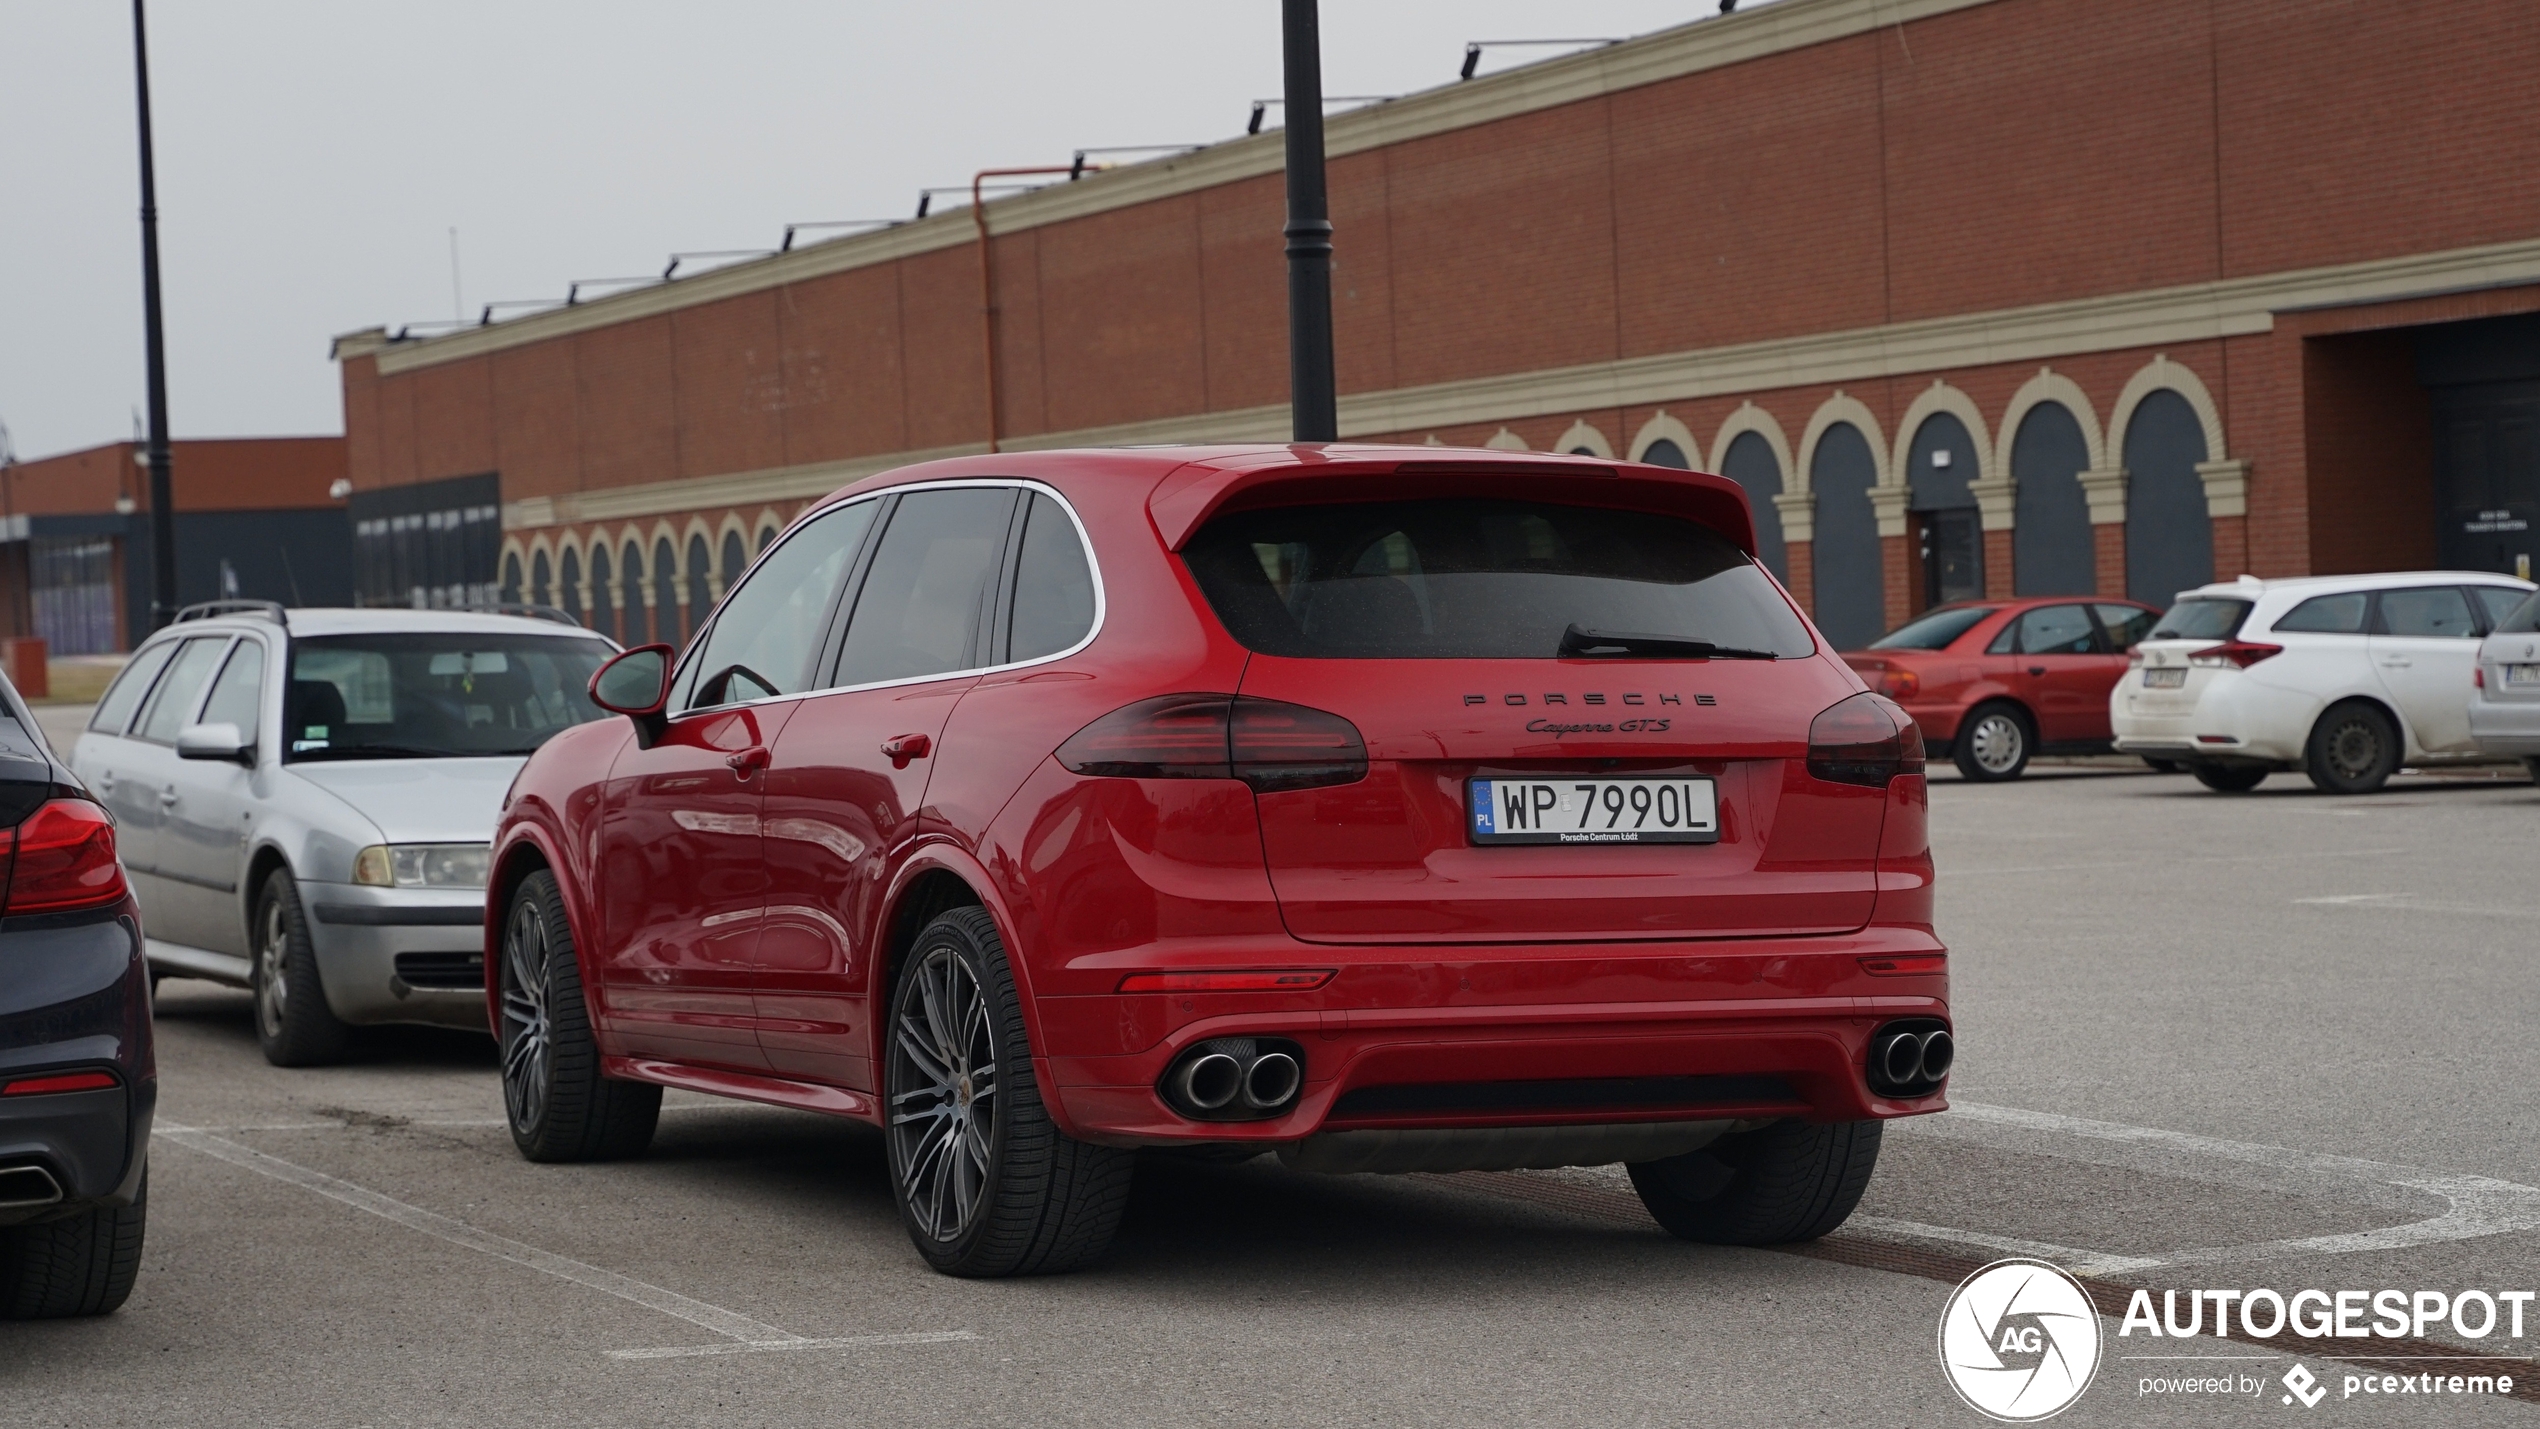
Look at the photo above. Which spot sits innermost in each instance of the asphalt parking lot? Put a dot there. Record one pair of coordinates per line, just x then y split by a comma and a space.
2272, 1040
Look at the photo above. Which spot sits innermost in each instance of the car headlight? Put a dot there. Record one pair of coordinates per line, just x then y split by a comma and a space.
422, 865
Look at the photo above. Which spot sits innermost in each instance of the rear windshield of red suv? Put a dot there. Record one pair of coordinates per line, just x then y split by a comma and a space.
1483, 580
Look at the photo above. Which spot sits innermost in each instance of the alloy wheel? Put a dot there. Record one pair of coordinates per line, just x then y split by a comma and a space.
943, 1094
1997, 741
273, 955
527, 1039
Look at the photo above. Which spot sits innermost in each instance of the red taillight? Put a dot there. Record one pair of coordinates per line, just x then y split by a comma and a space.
1916, 965
1864, 740
1895, 682
67, 1082
1266, 744
1289, 981
2239, 654
64, 859
2478, 677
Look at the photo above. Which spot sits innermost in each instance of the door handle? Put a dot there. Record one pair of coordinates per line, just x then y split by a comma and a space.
167, 797
747, 761
105, 781
2037, 669
900, 749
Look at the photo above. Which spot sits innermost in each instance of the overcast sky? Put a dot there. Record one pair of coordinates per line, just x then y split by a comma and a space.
314, 156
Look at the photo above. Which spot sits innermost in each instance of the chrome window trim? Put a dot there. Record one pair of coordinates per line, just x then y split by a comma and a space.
1084, 542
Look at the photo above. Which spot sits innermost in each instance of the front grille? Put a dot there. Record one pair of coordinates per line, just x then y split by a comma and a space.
1588, 1094
443, 970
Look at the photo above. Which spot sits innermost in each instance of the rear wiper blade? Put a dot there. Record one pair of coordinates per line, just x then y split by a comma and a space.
1576, 641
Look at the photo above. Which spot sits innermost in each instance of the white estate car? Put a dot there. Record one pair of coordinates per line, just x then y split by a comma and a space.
2504, 706
304, 801
2343, 677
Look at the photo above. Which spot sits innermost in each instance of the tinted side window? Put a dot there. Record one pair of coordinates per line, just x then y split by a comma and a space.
2500, 602
1053, 584
2524, 618
174, 699
918, 613
2328, 614
2126, 624
2058, 630
237, 694
2005, 640
766, 636
115, 710
2435, 612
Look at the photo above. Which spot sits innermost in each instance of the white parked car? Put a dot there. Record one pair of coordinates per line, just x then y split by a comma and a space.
2504, 705
2343, 677
304, 801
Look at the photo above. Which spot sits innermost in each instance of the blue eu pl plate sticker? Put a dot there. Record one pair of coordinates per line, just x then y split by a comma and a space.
1483, 816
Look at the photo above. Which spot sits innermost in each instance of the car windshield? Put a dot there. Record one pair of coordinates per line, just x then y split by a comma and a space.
434, 695
1487, 579
1934, 631
2201, 618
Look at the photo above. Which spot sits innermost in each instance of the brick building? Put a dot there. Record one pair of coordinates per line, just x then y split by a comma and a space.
1974, 296
255, 516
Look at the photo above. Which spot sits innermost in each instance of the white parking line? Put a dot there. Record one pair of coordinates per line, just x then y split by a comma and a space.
850, 1342
2475, 1206
2072, 1258
2410, 903
2305, 855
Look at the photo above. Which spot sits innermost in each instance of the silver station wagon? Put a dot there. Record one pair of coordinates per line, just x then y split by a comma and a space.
304, 800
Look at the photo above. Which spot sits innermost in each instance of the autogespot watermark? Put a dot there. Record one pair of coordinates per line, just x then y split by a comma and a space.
2021, 1340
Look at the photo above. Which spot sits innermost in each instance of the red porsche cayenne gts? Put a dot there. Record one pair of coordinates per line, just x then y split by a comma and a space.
1392, 809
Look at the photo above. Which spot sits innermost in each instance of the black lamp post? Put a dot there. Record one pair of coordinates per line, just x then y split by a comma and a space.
162, 479
1311, 386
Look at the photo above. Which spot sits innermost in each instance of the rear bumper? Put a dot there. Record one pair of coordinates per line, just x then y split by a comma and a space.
2234, 721
2510, 727
75, 997
1795, 1050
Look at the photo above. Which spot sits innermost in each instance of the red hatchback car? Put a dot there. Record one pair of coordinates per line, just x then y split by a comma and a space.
1992, 682
1388, 808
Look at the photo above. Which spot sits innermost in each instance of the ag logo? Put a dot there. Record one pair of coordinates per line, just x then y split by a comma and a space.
2019, 1341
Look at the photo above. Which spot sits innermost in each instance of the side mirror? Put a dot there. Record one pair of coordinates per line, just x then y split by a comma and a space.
637, 685
215, 741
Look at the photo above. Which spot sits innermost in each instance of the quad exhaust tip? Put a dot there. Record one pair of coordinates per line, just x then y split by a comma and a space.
1236, 1078
1911, 1059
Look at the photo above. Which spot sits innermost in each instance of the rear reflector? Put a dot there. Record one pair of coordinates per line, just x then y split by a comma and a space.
1864, 740
64, 859
1917, 965
2240, 654
67, 1082
1266, 744
1271, 981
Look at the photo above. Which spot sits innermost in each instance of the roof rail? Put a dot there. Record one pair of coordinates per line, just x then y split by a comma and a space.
208, 609
527, 608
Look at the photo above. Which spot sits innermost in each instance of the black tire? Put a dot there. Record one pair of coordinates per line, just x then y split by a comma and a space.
81, 1264
1790, 1181
2164, 766
293, 1023
1009, 1194
559, 1106
1994, 742
2354, 749
2229, 778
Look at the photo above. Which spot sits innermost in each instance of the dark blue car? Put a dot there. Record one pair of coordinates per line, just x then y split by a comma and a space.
77, 1076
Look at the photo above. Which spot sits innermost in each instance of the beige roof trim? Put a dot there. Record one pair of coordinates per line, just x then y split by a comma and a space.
1709, 43
2152, 318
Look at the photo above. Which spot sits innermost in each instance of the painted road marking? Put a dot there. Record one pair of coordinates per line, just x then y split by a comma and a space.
2072, 1258
751, 1334
2410, 903
851, 1342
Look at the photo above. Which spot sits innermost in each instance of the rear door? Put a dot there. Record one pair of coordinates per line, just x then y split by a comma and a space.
1437, 627
848, 782
2424, 645
2063, 673
149, 784
107, 757
202, 844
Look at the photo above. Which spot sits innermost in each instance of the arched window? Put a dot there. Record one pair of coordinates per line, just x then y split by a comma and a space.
1939, 465
540, 585
665, 591
2169, 540
511, 578
2050, 543
700, 586
630, 578
603, 599
570, 593
735, 557
766, 537
1850, 607
1663, 452
1750, 463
